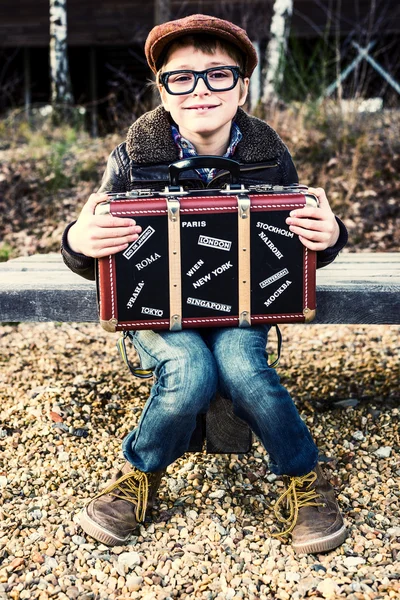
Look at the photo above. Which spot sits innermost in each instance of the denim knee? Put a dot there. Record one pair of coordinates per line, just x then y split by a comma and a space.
184, 367
244, 374
187, 380
241, 358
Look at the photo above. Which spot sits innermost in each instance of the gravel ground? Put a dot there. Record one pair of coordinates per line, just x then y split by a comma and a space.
65, 403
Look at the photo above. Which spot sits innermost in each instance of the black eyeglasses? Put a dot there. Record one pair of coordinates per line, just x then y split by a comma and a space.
217, 79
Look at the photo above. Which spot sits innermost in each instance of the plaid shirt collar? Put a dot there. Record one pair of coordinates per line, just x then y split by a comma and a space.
187, 150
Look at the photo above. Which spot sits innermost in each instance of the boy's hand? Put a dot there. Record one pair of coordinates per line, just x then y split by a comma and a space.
101, 235
317, 228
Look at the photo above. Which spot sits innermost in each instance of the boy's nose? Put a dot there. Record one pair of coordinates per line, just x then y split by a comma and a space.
200, 87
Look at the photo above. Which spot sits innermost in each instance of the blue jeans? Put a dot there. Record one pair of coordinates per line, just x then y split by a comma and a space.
189, 367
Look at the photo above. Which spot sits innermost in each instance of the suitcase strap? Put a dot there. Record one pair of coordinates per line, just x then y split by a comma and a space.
244, 284
279, 347
148, 373
174, 255
136, 371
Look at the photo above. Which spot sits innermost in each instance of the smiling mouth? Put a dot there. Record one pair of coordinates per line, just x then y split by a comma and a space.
201, 108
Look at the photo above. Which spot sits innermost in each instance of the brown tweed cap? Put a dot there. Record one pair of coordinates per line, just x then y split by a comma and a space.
162, 35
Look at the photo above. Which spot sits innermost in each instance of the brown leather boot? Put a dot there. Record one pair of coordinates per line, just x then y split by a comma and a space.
117, 510
316, 524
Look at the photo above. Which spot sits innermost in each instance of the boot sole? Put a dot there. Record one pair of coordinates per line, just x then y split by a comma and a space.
322, 544
99, 533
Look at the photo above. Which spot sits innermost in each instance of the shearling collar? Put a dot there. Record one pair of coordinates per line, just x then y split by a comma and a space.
149, 140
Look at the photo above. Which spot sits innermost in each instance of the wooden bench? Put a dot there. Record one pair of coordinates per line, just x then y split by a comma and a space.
362, 288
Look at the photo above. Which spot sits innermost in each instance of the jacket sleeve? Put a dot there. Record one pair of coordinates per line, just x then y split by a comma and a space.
78, 263
116, 176
324, 257
289, 172
115, 179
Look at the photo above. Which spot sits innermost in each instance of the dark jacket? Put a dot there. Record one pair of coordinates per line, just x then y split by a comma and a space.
142, 161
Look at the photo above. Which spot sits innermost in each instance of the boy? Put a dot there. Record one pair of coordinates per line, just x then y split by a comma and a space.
203, 65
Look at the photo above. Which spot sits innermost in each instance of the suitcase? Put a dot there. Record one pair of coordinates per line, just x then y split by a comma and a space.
209, 257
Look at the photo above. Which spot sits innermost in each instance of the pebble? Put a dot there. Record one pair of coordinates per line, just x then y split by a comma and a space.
306, 584
328, 588
50, 563
217, 494
350, 402
176, 486
37, 557
134, 583
291, 576
129, 559
79, 540
383, 452
353, 561
51, 550
16, 563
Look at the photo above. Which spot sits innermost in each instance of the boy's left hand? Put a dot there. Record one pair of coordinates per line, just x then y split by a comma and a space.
317, 228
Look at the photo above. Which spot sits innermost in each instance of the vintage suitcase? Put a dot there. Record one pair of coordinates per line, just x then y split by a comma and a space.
208, 258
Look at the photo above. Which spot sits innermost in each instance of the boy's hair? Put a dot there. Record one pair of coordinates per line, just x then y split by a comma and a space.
206, 43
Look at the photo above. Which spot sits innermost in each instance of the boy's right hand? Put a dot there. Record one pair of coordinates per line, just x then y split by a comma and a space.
101, 235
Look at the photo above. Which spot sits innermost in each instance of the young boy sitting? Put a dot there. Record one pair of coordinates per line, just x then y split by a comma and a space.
203, 65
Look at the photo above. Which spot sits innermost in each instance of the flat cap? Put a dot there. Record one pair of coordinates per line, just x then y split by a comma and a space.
162, 35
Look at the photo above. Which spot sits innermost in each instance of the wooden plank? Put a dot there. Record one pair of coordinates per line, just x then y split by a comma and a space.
31, 305
356, 288
36, 258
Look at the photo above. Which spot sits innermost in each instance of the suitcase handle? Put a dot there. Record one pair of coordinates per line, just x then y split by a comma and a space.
204, 162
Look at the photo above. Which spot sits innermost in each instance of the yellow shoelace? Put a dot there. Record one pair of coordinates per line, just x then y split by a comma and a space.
295, 499
133, 487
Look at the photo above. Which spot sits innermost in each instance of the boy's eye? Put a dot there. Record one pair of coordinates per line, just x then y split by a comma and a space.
220, 74
180, 78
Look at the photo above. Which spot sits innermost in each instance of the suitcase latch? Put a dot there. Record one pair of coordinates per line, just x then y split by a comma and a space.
173, 209
244, 206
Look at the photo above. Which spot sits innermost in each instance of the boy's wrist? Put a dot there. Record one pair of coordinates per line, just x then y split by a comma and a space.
335, 235
66, 241
340, 242
71, 239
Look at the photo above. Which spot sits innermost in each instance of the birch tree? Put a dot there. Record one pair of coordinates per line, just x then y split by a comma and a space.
276, 50
61, 94
162, 14
162, 11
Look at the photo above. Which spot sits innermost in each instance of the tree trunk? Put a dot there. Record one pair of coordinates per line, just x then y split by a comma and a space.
61, 94
162, 11
255, 87
162, 14
276, 50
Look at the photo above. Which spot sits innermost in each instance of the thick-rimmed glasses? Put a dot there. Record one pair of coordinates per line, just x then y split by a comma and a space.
217, 79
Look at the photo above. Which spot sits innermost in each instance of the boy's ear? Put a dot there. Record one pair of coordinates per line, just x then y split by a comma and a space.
244, 91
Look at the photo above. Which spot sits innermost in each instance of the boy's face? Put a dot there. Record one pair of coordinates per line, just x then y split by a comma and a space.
203, 113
